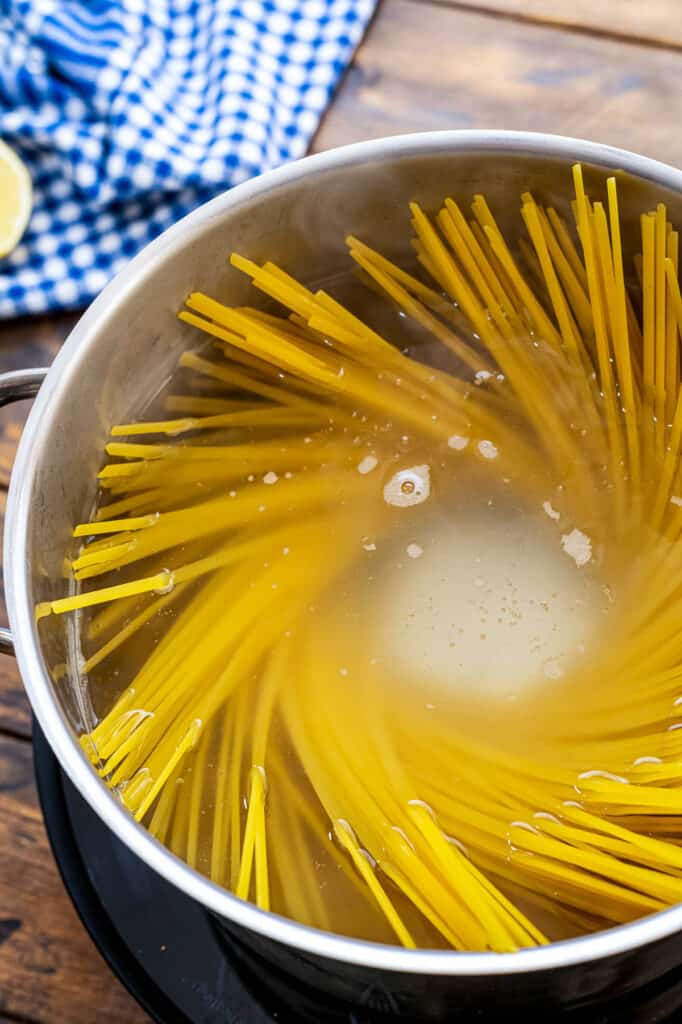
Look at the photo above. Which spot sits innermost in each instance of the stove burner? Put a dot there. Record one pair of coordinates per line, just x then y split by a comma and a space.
182, 966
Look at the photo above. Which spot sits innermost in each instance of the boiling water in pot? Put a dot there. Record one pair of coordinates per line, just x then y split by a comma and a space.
454, 607
395, 651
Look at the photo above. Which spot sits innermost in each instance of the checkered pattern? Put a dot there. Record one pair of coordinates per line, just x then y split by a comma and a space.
129, 113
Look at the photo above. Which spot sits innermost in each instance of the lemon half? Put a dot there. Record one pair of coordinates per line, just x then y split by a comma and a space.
15, 199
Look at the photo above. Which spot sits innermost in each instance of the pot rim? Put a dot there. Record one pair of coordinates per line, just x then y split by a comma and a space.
63, 375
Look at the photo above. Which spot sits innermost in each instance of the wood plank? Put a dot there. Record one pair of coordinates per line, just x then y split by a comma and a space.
23, 343
49, 969
426, 66
653, 21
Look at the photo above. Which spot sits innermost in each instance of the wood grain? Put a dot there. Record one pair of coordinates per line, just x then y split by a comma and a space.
652, 21
425, 66
49, 970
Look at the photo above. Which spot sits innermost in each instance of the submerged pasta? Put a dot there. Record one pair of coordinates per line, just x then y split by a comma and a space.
389, 644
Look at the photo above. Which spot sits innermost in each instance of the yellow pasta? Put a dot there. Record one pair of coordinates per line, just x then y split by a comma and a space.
251, 531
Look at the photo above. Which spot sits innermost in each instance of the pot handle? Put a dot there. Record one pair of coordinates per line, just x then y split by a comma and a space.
14, 386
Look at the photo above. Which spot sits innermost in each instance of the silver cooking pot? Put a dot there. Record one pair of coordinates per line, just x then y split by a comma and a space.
124, 347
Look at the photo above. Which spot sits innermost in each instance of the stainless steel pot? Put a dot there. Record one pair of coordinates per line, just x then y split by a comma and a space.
124, 347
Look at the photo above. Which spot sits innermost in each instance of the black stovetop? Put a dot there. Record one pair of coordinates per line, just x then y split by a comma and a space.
182, 968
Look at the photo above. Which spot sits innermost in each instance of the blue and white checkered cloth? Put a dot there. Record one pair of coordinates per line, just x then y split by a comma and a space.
129, 113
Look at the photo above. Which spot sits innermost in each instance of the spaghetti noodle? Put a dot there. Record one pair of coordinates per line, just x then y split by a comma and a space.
259, 730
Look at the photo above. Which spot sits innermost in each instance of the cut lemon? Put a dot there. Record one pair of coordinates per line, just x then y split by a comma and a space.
15, 199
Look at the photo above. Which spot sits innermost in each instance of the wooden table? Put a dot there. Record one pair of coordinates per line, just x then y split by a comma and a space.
609, 70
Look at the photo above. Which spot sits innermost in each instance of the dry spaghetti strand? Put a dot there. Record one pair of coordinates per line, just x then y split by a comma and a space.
276, 753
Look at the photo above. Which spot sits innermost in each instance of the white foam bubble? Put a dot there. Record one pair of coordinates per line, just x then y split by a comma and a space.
408, 487
369, 463
488, 450
578, 546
